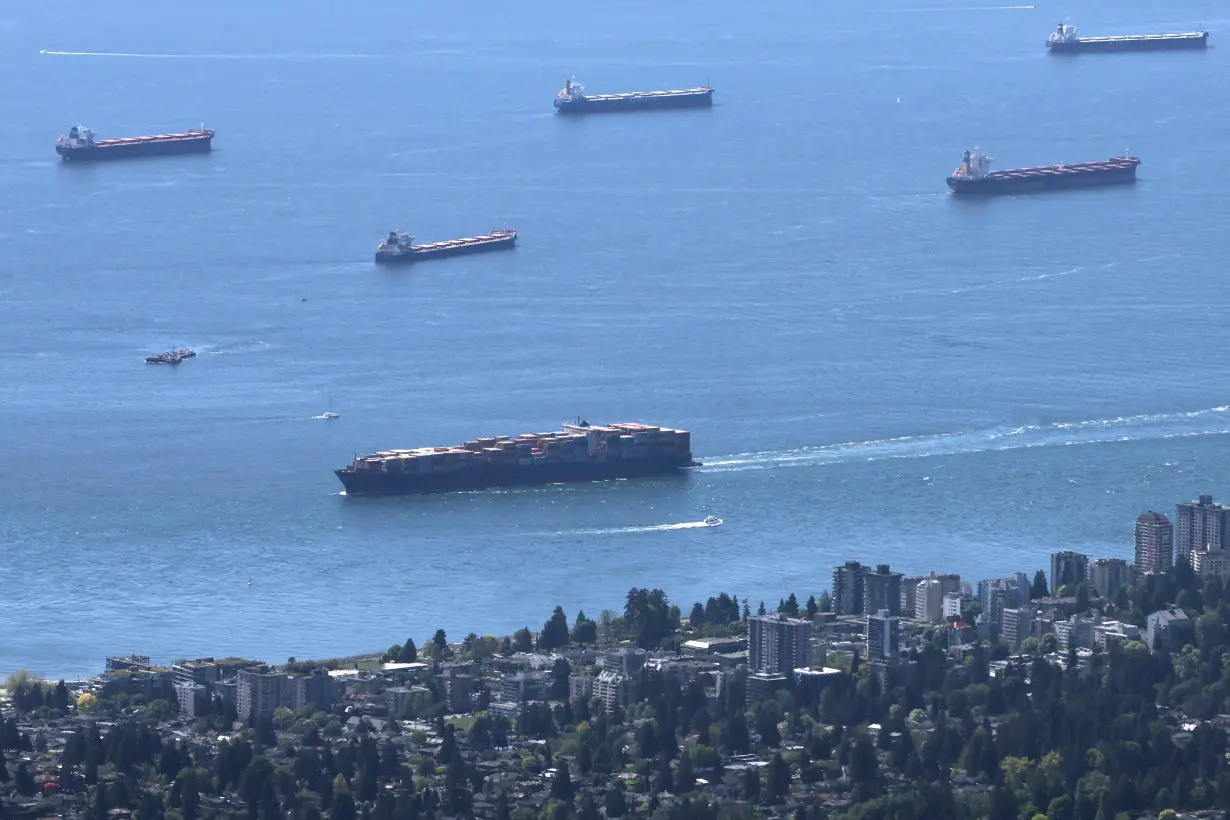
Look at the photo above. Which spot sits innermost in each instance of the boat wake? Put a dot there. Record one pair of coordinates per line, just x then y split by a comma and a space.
237, 347
687, 525
1213, 421
970, 8
155, 56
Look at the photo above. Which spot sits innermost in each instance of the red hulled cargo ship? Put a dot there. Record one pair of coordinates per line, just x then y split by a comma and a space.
81, 146
579, 452
399, 247
975, 177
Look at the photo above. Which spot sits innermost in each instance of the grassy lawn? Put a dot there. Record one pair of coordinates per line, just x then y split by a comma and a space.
461, 723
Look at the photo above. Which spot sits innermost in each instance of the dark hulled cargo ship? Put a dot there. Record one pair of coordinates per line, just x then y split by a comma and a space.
579, 452
572, 99
1064, 41
398, 247
975, 177
81, 146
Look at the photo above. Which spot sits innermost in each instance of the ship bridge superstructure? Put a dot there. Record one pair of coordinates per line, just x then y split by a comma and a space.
974, 165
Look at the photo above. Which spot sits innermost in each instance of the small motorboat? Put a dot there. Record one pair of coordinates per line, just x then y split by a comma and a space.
713, 521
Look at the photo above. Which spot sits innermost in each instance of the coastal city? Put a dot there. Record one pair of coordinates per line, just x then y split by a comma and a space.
1093, 688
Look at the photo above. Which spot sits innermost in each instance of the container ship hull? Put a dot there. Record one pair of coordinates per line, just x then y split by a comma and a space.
636, 101
510, 476
136, 147
1047, 177
577, 453
398, 249
1142, 42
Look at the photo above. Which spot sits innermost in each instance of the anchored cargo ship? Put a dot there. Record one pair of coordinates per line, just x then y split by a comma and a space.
572, 99
579, 452
81, 146
975, 177
400, 247
1064, 41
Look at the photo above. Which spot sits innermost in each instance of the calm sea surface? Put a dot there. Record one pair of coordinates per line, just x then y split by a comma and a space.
871, 369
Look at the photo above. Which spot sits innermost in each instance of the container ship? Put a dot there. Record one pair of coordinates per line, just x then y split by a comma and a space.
975, 177
579, 452
572, 99
81, 146
1064, 41
398, 247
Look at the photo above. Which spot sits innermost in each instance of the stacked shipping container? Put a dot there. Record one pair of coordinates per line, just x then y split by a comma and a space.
626, 441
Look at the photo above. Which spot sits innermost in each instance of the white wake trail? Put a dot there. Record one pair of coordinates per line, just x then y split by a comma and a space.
687, 525
1211, 421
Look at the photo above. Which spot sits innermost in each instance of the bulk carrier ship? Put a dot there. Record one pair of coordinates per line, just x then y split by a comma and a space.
975, 177
399, 247
572, 99
1064, 41
81, 146
579, 452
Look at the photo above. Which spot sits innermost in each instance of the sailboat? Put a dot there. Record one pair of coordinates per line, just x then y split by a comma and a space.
329, 414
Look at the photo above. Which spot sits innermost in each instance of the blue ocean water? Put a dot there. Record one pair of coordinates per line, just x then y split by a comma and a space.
871, 368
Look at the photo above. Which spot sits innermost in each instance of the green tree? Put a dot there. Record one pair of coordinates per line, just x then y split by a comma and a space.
646, 740
23, 781
343, 801
812, 606
561, 784
457, 796
665, 780
523, 640
778, 781
751, 785
190, 794
826, 602
1060, 808
150, 807
440, 642
649, 616
588, 811
685, 777
555, 631
584, 631
615, 803
252, 783
697, 618
561, 673
409, 652
1082, 597
1003, 803
1038, 589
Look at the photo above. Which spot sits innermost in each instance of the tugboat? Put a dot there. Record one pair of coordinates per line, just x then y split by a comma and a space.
171, 356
